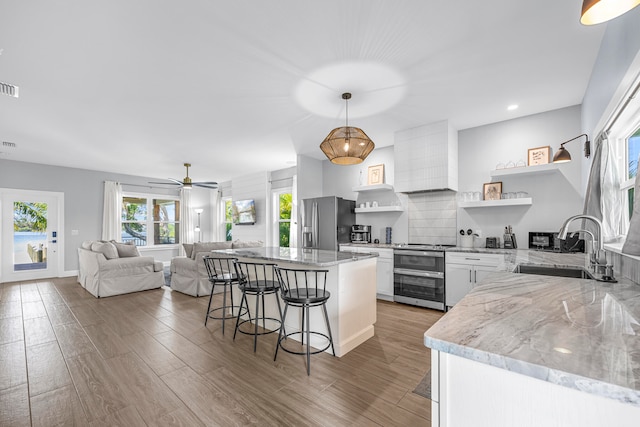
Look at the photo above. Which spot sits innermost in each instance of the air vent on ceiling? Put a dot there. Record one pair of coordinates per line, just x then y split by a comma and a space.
7, 89
8, 144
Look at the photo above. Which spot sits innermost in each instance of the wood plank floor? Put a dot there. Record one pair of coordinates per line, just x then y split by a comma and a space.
67, 358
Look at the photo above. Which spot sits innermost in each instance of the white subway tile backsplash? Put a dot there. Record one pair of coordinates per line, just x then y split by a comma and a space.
433, 217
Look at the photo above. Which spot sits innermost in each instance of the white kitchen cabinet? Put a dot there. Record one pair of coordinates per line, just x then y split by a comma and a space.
464, 270
384, 269
426, 158
505, 398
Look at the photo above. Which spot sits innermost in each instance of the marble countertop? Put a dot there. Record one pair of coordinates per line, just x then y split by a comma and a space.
576, 333
311, 257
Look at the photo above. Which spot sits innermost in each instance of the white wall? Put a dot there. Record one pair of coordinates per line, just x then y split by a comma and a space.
339, 181
555, 196
254, 187
619, 49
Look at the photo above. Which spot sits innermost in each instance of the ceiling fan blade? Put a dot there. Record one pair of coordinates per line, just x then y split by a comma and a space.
176, 181
165, 183
204, 185
206, 182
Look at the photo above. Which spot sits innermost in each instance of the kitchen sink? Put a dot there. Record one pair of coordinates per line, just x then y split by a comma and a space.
550, 270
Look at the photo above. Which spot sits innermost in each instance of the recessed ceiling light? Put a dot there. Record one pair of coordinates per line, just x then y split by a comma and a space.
512, 107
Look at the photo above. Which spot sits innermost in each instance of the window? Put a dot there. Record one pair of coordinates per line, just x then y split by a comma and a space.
227, 224
160, 228
632, 151
282, 214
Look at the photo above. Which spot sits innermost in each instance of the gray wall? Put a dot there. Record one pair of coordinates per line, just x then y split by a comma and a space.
83, 197
555, 196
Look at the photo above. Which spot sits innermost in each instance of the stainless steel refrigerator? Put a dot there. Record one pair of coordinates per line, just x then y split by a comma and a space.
326, 222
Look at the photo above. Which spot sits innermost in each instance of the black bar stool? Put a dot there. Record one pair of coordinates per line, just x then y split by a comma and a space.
304, 289
258, 279
221, 271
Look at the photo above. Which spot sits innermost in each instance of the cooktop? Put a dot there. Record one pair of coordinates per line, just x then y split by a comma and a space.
422, 247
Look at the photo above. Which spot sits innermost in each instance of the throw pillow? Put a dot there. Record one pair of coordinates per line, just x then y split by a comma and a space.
208, 247
108, 249
126, 250
247, 244
188, 249
86, 244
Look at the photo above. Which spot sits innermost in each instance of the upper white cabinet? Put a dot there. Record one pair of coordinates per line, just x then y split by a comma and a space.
426, 158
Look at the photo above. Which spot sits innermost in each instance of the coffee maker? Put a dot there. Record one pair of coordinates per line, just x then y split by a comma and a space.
360, 234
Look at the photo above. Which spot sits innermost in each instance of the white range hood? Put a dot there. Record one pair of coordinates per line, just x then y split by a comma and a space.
426, 158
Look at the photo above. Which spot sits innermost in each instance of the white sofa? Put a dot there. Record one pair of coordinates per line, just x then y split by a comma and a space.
111, 268
188, 273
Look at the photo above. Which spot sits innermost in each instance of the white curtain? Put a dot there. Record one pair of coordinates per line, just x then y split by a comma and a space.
112, 211
603, 198
611, 203
186, 219
293, 229
218, 216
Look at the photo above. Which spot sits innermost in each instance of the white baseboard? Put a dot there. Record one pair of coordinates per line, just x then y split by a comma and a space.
70, 273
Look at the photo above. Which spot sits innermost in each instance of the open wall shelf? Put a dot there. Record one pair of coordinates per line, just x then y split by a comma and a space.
375, 187
494, 203
527, 170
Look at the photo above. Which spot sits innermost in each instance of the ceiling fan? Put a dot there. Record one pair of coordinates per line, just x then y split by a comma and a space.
187, 183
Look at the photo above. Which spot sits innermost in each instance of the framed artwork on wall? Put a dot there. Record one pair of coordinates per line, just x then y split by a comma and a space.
539, 156
376, 175
492, 191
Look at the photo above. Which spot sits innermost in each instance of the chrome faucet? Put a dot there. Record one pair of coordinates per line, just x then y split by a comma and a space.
589, 250
598, 260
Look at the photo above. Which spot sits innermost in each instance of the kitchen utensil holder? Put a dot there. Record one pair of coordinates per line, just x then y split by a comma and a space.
466, 241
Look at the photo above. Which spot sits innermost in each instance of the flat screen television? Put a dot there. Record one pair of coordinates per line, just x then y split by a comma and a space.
244, 212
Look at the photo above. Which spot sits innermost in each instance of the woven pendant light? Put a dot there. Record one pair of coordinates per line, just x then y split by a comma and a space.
347, 145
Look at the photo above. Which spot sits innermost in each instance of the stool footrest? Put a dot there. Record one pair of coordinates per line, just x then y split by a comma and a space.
232, 315
284, 337
251, 321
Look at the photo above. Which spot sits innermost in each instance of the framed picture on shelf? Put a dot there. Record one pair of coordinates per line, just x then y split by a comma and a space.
492, 190
539, 156
376, 175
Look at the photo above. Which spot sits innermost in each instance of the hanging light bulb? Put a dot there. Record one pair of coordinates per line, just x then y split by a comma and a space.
351, 154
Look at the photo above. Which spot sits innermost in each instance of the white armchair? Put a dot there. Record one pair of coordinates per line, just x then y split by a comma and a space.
103, 273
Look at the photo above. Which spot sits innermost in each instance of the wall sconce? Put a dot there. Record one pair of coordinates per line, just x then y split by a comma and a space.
197, 229
563, 156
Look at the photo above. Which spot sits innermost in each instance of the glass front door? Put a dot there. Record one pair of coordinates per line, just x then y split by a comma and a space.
30, 244
30, 239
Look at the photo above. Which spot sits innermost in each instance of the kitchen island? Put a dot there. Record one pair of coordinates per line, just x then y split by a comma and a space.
532, 350
351, 281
